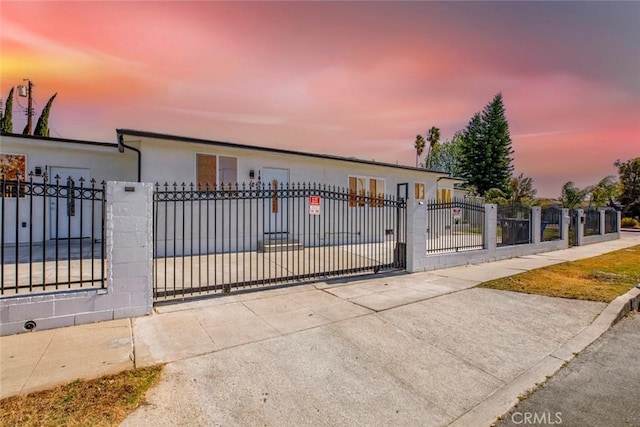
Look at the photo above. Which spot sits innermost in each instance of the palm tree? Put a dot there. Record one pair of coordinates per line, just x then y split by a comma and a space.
571, 196
433, 136
419, 146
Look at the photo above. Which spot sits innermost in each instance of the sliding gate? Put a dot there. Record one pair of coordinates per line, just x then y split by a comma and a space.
215, 239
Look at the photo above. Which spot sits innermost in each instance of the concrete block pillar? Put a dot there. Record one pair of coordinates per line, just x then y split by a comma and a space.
536, 224
566, 220
602, 220
416, 236
618, 223
490, 226
129, 229
580, 227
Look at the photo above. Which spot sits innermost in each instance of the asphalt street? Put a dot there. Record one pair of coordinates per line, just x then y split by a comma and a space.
600, 387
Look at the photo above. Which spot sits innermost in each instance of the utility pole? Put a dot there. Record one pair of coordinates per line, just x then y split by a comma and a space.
21, 92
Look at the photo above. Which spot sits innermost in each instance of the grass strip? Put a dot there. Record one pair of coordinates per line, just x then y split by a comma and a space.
601, 278
105, 401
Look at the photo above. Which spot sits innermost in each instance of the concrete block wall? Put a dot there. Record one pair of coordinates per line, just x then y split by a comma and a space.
129, 280
418, 260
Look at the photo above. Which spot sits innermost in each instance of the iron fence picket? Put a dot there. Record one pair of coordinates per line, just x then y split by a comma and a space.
514, 225
454, 226
273, 240
32, 254
610, 221
551, 224
591, 222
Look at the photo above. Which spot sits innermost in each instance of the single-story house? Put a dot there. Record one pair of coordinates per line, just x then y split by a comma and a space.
159, 158
170, 158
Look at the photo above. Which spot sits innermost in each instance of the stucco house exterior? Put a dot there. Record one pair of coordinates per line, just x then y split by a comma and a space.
159, 158
170, 158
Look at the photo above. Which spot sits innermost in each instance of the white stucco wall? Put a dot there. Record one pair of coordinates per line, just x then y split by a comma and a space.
175, 161
103, 162
99, 162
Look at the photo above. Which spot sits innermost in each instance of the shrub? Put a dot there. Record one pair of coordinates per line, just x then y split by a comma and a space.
629, 223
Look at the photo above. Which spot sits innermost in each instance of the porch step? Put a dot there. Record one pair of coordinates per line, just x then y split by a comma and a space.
280, 245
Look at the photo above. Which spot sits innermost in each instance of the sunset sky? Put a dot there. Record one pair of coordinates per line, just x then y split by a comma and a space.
345, 78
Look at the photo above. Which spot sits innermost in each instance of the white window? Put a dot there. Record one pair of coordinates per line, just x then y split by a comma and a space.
366, 190
212, 170
419, 190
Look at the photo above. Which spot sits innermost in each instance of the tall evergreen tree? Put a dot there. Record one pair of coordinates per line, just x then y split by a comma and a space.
473, 159
42, 127
487, 149
6, 123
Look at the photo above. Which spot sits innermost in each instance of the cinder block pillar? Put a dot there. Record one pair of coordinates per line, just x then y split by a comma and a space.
580, 227
566, 220
129, 229
490, 226
602, 221
536, 224
416, 236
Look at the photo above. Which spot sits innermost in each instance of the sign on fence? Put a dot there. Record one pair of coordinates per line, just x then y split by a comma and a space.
457, 213
314, 205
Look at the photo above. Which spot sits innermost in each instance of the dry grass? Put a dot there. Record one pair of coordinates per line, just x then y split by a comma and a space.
601, 278
104, 401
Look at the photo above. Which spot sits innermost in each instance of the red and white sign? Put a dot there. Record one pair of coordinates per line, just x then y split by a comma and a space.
456, 212
314, 205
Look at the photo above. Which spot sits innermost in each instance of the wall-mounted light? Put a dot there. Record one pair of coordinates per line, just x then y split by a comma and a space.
252, 174
38, 171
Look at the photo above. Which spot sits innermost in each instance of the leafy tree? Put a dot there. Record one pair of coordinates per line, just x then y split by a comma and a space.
496, 196
419, 146
6, 121
446, 156
605, 192
433, 136
521, 191
42, 127
486, 151
629, 175
571, 196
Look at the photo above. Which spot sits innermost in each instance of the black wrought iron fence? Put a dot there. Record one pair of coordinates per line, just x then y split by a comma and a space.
210, 239
591, 222
52, 233
454, 226
514, 225
551, 224
610, 221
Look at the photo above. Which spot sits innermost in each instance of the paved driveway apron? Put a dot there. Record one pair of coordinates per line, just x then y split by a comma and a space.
424, 363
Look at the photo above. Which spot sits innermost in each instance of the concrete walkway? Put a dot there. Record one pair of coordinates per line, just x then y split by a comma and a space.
419, 349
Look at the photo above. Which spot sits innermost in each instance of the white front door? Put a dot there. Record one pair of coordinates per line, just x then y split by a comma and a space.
275, 206
65, 210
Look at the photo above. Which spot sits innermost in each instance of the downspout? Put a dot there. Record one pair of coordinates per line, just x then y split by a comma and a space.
122, 146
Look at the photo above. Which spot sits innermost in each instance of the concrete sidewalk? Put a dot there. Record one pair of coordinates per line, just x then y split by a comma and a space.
390, 350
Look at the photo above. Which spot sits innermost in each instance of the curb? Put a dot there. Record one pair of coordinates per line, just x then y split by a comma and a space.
505, 398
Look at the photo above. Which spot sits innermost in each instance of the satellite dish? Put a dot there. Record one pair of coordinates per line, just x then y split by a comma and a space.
22, 91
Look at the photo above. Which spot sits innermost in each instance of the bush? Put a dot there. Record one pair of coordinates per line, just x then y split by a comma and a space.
629, 223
